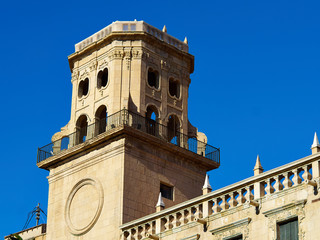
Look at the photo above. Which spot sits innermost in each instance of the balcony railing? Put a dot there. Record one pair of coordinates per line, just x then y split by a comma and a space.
136, 121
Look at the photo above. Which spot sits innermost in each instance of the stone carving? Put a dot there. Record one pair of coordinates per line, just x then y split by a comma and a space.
127, 56
116, 54
86, 196
138, 54
84, 74
237, 228
284, 213
93, 65
75, 75
103, 65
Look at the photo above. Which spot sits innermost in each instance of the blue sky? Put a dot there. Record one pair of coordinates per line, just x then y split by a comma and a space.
255, 89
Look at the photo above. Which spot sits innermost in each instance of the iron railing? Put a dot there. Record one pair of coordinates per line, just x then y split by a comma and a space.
127, 118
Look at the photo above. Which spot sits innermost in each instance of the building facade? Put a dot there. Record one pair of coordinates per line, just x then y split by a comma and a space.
129, 165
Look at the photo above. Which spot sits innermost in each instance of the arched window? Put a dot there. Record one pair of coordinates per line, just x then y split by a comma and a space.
151, 120
102, 79
101, 119
83, 88
81, 129
174, 129
153, 78
174, 88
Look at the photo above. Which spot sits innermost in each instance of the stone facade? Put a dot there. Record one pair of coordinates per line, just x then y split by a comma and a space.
104, 182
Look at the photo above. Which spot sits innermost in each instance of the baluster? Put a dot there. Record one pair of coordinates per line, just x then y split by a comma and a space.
165, 224
139, 231
277, 186
198, 213
216, 207
296, 178
241, 198
176, 222
233, 202
186, 216
287, 182
249, 193
269, 188
306, 175
146, 230
170, 220
224, 204
125, 235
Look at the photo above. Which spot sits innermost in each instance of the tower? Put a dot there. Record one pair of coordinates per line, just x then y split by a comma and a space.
128, 137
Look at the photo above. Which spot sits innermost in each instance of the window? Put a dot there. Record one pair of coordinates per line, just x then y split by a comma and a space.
238, 237
166, 191
153, 78
288, 230
102, 79
101, 117
174, 88
151, 120
83, 88
82, 127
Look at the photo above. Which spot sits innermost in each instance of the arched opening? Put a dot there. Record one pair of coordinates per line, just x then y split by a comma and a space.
102, 79
64, 143
83, 88
151, 120
174, 129
174, 88
101, 119
81, 129
153, 78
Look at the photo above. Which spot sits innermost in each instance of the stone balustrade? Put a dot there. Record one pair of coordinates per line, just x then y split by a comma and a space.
251, 192
131, 26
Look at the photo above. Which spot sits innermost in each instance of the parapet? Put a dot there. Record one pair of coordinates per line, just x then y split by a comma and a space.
132, 26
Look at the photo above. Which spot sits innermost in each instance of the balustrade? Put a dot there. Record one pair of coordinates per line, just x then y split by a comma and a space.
216, 202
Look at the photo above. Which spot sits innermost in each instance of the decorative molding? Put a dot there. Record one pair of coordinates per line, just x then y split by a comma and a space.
284, 213
93, 65
95, 185
193, 237
233, 229
116, 54
84, 74
75, 75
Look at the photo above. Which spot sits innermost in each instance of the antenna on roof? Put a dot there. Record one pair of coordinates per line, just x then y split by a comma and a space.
36, 211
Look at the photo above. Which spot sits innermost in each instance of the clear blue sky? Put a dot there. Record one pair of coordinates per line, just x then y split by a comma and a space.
255, 89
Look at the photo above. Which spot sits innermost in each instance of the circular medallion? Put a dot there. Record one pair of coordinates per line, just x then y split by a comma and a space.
84, 205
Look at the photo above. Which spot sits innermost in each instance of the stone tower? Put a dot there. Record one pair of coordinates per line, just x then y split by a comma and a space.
128, 137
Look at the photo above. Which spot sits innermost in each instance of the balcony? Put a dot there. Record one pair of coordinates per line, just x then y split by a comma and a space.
133, 120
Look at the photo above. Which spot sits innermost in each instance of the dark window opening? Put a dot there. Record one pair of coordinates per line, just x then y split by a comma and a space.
288, 230
83, 88
81, 132
151, 120
102, 78
174, 88
239, 237
101, 119
174, 130
166, 191
153, 78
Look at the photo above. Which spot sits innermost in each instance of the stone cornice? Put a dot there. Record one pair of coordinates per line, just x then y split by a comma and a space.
123, 36
239, 223
285, 207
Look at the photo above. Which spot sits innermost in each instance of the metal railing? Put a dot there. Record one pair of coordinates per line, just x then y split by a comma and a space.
127, 118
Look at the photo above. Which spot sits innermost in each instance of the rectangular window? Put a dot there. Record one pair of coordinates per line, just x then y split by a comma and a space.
288, 230
166, 191
237, 237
